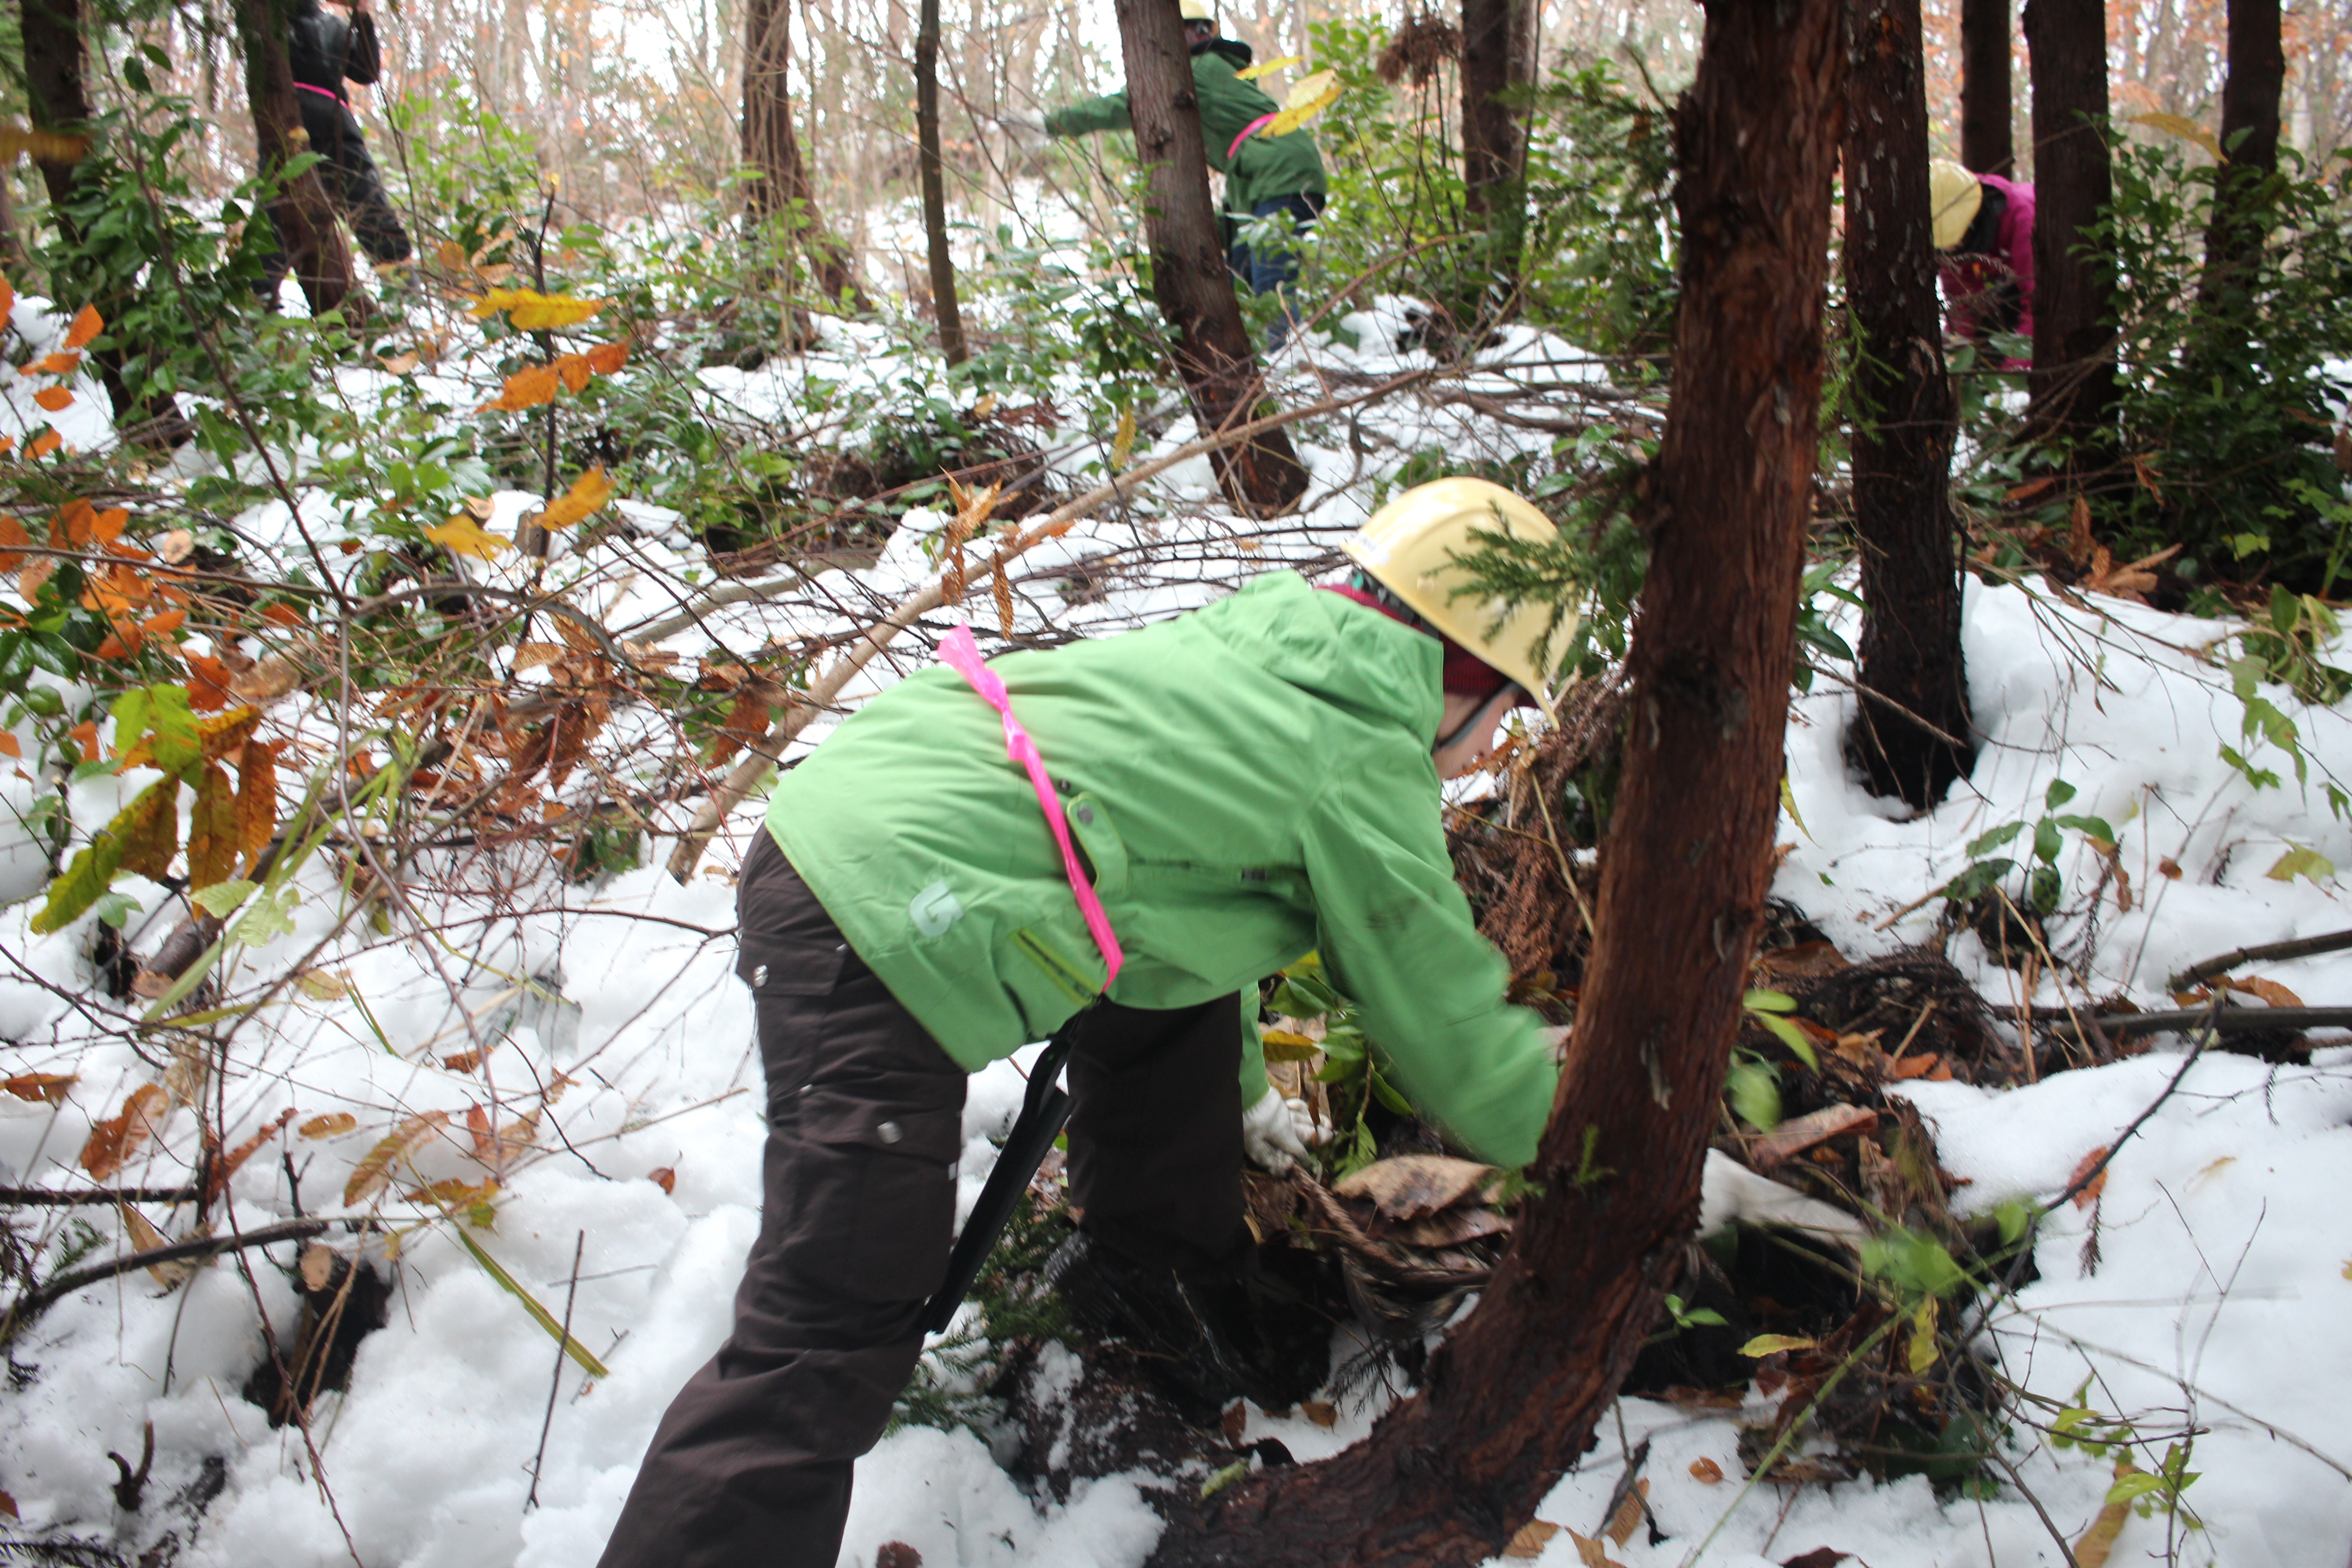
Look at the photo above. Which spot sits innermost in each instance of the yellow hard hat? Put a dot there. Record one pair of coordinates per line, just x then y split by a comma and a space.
1197, 11
1953, 197
1414, 545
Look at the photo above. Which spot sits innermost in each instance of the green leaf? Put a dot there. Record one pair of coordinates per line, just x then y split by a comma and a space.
219, 898
2298, 861
1703, 1318
2046, 841
539, 1315
271, 917
1978, 847
116, 909
1389, 1096
1792, 1037
2094, 827
2138, 1484
1768, 1002
2059, 793
1978, 880
2012, 1217
1755, 1093
1914, 1264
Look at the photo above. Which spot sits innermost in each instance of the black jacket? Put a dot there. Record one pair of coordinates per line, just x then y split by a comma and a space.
326, 50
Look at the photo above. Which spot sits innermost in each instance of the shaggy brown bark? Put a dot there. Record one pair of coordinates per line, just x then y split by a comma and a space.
1498, 61
316, 251
2074, 377
2250, 135
57, 100
778, 186
1986, 142
935, 197
1512, 1396
1904, 417
1189, 280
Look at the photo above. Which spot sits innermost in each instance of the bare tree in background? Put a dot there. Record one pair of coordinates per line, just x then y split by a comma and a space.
2074, 375
1511, 1396
1910, 733
1189, 277
949, 314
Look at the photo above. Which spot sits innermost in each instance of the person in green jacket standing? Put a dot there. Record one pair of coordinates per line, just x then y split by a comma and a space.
1244, 784
1266, 176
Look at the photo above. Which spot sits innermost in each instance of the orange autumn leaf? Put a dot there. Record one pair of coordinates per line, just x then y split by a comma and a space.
606, 358
208, 680
57, 364
84, 735
53, 398
7, 444
225, 1167
589, 492
572, 371
113, 1142
106, 527
11, 535
10, 746
256, 797
7, 300
526, 388
45, 442
281, 615
164, 625
48, 1088
2098, 1184
86, 326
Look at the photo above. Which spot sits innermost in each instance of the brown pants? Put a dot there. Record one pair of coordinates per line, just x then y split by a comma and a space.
751, 1464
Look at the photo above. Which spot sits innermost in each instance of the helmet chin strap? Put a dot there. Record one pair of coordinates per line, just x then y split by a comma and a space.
1478, 715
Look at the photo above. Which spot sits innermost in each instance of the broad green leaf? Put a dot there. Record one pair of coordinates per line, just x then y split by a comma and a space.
1755, 1094
1792, 1037
1768, 1002
271, 917
2059, 793
2299, 861
1763, 1345
80, 885
221, 898
1979, 846
2047, 841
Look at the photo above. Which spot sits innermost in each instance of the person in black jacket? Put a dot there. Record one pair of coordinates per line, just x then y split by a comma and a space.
326, 51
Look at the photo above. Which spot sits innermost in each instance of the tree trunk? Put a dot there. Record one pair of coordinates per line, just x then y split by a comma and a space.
1189, 280
2074, 375
1904, 423
778, 186
57, 100
13, 260
1497, 65
1987, 144
1512, 1395
935, 196
2250, 135
308, 234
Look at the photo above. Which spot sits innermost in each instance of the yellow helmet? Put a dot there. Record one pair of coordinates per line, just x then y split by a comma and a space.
1414, 547
1196, 11
1953, 197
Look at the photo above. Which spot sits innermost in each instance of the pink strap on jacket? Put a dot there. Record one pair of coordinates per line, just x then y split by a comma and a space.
1247, 131
961, 654
322, 93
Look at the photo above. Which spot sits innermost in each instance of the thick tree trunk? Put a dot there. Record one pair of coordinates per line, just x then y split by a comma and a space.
778, 186
1498, 44
308, 234
2250, 135
1986, 142
2074, 375
1513, 1395
1189, 280
59, 102
1904, 423
935, 197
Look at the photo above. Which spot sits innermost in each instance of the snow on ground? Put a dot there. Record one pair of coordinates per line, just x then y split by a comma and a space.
611, 1014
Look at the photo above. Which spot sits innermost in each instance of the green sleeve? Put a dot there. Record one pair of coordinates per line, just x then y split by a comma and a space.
1397, 936
1255, 1085
1087, 115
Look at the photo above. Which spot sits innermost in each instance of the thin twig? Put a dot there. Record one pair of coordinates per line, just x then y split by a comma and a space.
33, 1302
562, 1346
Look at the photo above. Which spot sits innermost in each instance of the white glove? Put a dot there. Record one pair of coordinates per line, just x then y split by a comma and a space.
1027, 128
1274, 1132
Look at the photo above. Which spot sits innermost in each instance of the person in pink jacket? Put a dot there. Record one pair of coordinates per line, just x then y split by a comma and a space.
1984, 240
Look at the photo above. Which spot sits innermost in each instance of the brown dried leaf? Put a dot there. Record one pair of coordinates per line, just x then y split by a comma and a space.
665, 1177
1234, 1421
2098, 1542
268, 681
1319, 1412
532, 655
333, 1124
225, 1167
145, 1237
256, 797
374, 1171
212, 830
1795, 1136
1592, 1554
1452, 1227
1706, 1472
48, 1087
1628, 1517
2269, 991
318, 1267
1531, 1538
2098, 1184
113, 1142
1411, 1187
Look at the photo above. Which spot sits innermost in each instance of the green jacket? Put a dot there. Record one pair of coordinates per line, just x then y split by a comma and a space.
1266, 167
1250, 782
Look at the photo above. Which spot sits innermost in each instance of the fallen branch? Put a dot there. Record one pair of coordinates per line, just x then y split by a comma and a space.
36, 1301
2226, 1020
806, 705
60, 1197
2303, 947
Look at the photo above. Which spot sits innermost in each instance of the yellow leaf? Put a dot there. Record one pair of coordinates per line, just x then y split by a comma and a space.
2188, 130
1311, 97
463, 535
401, 364
451, 254
1284, 1045
1763, 1345
86, 326
1268, 67
1921, 1353
1123, 443
606, 358
320, 985
589, 492
526, 388
334, 1124
373, 1171
533, 311
984, 407
212, 830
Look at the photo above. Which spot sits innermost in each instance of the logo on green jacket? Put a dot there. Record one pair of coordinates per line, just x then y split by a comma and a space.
934, 909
